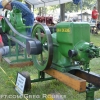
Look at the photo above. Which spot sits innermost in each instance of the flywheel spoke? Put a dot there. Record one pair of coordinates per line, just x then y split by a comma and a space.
42, 33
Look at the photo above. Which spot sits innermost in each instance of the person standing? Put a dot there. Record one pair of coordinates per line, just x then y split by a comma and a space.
26, 13
94, 15
94, 20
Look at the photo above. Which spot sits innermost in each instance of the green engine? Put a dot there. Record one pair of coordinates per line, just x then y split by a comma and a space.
13, 21
73, 45
67, 48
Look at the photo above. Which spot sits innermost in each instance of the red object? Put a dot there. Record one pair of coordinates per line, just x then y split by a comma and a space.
94, 14
1, 17
1, 39
47, 20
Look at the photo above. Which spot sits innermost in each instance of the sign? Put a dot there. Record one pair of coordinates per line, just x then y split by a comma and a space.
20, 84
63, 30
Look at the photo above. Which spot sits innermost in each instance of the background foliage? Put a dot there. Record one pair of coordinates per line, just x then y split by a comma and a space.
70, 6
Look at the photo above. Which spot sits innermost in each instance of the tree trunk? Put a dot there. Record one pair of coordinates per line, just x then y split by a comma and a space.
98, 3
62, 12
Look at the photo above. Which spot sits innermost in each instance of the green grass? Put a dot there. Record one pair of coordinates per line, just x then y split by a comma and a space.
47, 87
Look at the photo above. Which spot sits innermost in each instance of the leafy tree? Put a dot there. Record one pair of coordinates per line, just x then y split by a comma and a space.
86, 4
53, 7
71, 7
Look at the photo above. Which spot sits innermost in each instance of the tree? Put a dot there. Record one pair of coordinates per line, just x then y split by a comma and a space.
71, 7
86, 4
98, 2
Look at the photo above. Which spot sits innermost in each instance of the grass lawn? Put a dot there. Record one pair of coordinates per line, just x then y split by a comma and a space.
41, 88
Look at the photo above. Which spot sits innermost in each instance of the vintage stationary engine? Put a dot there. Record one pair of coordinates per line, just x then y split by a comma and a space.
74, 47
13, 25
65, 54
67, 48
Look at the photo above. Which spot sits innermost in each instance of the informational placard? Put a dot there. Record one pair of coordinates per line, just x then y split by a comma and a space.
20, 84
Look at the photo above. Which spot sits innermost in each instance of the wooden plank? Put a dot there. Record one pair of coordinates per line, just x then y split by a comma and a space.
21, 64
90, 77
7, 60
73, 81
18, 64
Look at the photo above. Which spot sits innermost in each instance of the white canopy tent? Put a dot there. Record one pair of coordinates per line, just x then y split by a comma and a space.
43, 3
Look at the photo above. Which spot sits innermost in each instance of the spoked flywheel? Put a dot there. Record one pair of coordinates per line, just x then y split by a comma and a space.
43, 60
